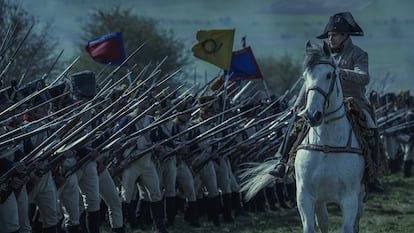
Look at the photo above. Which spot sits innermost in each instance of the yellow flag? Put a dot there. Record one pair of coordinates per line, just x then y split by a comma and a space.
215, 46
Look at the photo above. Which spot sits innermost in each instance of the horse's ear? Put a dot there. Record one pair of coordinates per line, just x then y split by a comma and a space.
326, 48
309, 47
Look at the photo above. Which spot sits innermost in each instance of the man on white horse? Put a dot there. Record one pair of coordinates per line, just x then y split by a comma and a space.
352, 63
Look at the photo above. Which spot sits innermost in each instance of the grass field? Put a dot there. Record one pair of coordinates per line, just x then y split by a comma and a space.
389, 212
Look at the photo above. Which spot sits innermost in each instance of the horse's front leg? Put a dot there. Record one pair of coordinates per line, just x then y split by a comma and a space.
306, 207
350, 208
322, 216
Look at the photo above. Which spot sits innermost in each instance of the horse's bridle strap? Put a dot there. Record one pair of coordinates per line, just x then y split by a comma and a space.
330, 149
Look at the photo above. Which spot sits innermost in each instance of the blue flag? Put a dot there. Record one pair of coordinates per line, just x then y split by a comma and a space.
243, 66
107, 49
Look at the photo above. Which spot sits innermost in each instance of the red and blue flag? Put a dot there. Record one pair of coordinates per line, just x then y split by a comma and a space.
107, 49
243, 66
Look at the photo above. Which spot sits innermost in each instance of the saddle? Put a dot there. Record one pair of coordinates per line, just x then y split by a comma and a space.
363, 134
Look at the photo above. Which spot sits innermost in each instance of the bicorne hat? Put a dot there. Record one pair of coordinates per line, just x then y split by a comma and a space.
342, 22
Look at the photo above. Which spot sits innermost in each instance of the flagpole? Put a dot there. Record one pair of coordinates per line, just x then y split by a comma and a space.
265, 87
226, 80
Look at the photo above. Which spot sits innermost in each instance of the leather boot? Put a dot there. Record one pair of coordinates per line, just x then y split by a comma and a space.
291, 193
118, 230
72, 229
407, 168
271, 197
104, 213
128, 215
144, 214
52, 229
93, 221
236, 203
227, 213
192, 214
213, 209
260, 201
180, 204
158, 217
280, 192
171, 210
202, 207
283, 152
83, 225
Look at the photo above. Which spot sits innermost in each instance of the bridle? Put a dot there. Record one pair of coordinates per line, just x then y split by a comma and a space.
327, 94
326, 148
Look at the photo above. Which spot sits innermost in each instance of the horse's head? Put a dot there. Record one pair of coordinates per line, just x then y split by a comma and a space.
323, 91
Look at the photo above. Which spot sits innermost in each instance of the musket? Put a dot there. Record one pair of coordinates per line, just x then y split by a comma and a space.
83, 140
42, 153
99, 74
58, 150
108, 86
399, 127
110, 120
152, 125
68, 124
12, 57
244, 88
14, 117
200, 165
168, 140
383, 121
282, 96
19, 138
46, 75
123, 63
115, 138
52, 124
108, 143
210, 132
268, 149
142, 153
5, 177
34, 94
5, 44
268, 130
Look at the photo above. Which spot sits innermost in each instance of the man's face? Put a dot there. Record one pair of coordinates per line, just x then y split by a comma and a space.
336, 39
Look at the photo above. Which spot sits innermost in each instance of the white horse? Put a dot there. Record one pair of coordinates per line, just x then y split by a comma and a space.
328, 167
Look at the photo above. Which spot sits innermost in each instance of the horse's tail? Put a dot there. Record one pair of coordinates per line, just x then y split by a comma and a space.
255, 176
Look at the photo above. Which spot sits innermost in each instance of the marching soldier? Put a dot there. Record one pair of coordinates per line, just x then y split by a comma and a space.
19, 182
202, 165
184, 179
43, 193
85, 179
9, 215
167, 165
143, 170
225, 177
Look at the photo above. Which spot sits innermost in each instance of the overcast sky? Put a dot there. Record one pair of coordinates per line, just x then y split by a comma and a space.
272, 27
